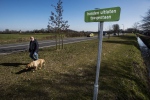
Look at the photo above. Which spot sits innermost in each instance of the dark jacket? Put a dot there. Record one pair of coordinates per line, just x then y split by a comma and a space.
34, 46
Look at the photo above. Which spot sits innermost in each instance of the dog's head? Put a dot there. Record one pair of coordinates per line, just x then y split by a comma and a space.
43, 60
29, 66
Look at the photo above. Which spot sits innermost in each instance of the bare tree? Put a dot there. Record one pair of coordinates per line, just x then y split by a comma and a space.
116, 28
109, 31
146, 21
136, 27
56, 22
7, 31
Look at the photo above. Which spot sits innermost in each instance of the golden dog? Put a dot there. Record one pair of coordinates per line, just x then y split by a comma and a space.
35, 64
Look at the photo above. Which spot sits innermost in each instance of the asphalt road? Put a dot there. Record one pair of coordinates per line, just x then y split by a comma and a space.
17, 47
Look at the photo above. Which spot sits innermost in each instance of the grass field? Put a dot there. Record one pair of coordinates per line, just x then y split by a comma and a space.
25, 37
17, 38
69, 74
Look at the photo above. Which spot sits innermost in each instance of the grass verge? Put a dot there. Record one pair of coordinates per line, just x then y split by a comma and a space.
69, 74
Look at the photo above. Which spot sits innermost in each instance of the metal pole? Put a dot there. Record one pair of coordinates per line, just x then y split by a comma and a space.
98, 29
123, 26
123, 29
98, 62
98, 26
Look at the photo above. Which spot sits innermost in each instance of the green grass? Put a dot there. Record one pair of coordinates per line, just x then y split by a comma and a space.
17, 38
25, 37
69, 74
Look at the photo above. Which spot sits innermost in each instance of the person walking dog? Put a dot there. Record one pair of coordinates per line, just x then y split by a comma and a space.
33, 48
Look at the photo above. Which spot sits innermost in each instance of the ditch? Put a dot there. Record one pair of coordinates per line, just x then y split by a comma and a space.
145, 51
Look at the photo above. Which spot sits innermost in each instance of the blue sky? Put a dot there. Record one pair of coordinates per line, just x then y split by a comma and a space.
34, 14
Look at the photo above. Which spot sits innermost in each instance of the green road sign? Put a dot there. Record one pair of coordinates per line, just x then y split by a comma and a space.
103, 15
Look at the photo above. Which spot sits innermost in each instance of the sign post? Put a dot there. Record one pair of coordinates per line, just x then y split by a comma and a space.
98, 61
101, 15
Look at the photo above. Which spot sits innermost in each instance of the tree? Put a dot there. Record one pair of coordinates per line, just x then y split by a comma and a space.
116, 28
7, 31
109, 31
146, 21
136, 27
56, 22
